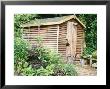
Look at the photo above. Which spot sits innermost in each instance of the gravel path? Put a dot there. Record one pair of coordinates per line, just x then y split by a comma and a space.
85, 70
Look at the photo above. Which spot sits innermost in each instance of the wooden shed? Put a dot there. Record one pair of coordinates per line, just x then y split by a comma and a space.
64, 34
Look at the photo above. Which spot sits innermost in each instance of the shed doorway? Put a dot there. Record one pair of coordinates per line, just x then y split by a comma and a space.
71, 39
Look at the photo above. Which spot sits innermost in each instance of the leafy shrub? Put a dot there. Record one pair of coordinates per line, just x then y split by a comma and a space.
20, 49
69, 70
49, 58
39, 40
54, 63
87, 52
39, 61
65, 70
28, 71
20, 54
45, 71
58, 70
94, 54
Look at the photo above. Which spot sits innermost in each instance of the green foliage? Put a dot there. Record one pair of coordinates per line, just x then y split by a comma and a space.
39, 39
69, 70
90, 20
20, 54
45, 71
28, 71
20, 49
64, 69
20, 19
87, 53
94, 54
54, 62
51, 61
47, 55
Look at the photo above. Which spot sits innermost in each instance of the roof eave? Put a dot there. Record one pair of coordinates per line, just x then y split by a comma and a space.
80, 22
55, 23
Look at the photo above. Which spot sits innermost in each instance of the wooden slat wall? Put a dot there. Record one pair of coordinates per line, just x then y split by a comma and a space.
50, 40
49, 34
80, 40
61, 39
30, 34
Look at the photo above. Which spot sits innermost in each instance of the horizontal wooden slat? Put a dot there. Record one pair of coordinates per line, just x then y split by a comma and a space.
51, 46
78, 49
31, 33
79, 37
49, 40
55, 27
52, 30
62, 47
55, 48
63, 28
62, 52
79, 45
78, 53
51, 33
50, 43
79, 40
51, 37
80, 32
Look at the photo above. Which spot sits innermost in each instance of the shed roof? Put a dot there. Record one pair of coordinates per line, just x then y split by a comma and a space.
51, 21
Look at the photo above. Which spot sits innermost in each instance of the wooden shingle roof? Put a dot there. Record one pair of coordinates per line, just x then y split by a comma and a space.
51, 21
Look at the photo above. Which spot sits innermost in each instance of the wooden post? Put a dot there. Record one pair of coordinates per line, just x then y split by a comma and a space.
57, 37
29, 34
38, 30
23, 33
74, 38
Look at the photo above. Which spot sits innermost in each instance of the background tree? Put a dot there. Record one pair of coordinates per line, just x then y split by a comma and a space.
90, 20
21, 19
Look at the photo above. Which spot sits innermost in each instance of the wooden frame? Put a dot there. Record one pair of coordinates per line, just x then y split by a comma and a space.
79, 2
